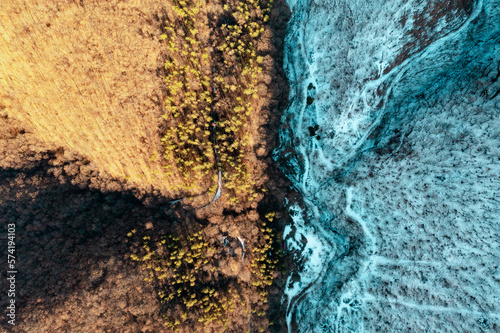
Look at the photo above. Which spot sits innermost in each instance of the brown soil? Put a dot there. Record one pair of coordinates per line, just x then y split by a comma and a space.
72, 210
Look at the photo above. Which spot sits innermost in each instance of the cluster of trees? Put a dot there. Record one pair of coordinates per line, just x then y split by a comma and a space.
188, 106
194, 293
266, 258
212, 94
183, 274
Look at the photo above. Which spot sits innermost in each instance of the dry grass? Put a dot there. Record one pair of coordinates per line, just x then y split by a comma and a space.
82, 75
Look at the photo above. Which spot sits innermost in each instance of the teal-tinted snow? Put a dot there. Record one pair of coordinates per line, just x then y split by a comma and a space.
394, 125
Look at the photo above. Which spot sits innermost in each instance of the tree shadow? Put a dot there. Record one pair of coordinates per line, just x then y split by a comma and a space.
65, 235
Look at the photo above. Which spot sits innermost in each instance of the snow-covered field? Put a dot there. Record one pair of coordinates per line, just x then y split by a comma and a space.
393, 137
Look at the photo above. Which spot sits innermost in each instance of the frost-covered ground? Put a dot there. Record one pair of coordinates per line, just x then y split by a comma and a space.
393, 137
